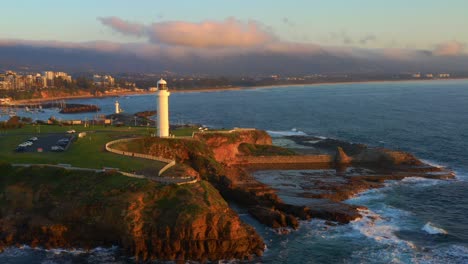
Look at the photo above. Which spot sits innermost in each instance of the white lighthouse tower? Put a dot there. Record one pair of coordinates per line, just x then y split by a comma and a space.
163, 108
117, 107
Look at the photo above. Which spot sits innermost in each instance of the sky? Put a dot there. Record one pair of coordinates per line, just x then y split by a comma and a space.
367, 34
411, 24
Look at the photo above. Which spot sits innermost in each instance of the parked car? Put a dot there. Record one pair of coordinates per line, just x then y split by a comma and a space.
57, 148
63, 142
33, 139
71, 131
25, 144
20, 149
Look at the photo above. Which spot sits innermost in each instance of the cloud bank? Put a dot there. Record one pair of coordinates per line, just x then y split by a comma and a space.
228, 46
451, 48
207, 34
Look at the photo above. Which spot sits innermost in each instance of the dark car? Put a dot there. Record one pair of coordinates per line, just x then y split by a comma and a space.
20, 149
63, 142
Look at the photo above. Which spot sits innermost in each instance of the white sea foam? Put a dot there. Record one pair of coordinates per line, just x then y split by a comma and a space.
293, 132
433, 230
450, 254
421, 182
432, 163
380, 228
59, 251
461, 175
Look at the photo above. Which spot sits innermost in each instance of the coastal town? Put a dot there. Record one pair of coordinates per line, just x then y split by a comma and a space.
20, 86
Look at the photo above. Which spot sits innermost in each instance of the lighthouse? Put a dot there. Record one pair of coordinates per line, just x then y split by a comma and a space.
117, 107
163, 108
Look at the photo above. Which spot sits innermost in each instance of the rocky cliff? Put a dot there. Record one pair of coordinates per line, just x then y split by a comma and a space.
225, 145
49, 207
220, 158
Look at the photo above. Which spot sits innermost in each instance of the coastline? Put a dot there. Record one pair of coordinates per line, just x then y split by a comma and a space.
206, 90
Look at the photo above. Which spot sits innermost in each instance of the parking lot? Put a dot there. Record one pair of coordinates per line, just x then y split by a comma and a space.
45, 143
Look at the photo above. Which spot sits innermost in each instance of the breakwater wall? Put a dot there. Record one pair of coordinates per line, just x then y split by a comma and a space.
317, 159
288, 162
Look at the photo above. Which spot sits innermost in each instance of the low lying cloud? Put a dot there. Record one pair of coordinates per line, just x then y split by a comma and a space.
103, 46
207, 34
451, 48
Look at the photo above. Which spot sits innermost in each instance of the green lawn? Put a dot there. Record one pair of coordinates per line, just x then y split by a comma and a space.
184, 132
88, 152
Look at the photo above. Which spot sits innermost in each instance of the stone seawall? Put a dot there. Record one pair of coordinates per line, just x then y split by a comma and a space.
306, 159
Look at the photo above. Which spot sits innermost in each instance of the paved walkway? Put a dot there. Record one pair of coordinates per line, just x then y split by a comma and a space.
165, 180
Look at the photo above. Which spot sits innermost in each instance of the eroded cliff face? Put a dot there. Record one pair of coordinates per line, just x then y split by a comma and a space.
54, 208
225, 146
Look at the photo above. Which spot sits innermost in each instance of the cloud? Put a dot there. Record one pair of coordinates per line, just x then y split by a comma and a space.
451, 48
122, 26
207, 34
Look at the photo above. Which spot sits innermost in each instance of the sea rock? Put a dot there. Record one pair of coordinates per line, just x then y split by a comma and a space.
341, 158
386, 158
273, 218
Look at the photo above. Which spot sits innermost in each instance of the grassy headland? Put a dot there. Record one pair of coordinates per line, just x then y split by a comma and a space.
87, 152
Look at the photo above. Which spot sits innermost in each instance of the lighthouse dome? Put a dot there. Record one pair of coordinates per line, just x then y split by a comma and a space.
162, 84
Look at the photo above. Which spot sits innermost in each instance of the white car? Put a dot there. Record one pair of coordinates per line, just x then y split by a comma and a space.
27, 143
57, 148
33, 139
71, 131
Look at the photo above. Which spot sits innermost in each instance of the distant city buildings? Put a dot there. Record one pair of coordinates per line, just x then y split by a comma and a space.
103, 80
431, 75
11, 80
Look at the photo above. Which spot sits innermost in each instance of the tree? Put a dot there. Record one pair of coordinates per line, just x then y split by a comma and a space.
84, 83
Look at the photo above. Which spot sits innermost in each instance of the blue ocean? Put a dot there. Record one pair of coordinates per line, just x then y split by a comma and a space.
410, 221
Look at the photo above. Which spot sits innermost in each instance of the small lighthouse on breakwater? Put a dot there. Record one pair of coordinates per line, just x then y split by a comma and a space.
163, 109
118, 110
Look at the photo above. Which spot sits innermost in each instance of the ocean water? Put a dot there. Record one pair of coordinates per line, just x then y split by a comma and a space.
411, 221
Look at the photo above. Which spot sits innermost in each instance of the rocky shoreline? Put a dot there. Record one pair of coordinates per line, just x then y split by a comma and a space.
194, 222
79, 108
